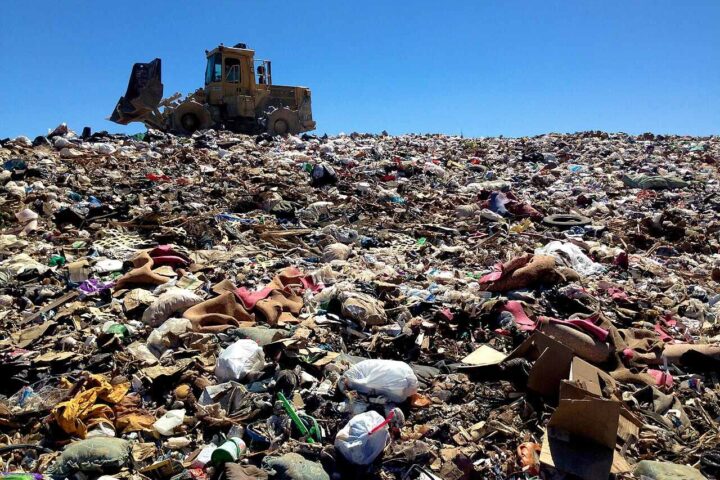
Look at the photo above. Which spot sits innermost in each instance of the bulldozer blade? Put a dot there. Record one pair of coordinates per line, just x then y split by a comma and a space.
144, 93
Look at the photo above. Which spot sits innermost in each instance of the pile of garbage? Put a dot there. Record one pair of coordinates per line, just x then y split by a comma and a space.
359, 306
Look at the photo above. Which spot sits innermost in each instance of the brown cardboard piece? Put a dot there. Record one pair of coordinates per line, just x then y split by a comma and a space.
580, 437
590, 378
585, 381
589, 383
552, 363
484, 356
582, 433
26, 337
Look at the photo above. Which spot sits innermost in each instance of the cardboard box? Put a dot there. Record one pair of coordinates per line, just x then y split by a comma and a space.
551, 366
580, 437
585, 381
552, 362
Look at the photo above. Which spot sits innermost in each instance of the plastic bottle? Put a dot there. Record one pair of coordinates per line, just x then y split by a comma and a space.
177, 443
230, 451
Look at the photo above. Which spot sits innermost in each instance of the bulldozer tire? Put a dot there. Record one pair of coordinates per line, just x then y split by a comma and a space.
190, 117
282, 121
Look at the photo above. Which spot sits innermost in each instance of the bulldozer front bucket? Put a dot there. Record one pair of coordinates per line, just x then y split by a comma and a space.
144, 93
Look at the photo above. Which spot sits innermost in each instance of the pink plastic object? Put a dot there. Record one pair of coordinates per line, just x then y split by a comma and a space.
521, 319
662, 379
385, 422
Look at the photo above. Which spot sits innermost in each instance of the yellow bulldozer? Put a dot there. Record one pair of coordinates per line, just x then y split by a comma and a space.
239, 95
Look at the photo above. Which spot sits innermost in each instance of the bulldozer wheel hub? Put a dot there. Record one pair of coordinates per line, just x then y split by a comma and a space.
281, 127
190, 122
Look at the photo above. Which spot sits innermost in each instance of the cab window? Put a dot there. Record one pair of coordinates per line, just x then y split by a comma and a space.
213, 73
232, 70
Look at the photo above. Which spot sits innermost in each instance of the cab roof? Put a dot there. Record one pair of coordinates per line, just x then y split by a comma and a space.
236, 50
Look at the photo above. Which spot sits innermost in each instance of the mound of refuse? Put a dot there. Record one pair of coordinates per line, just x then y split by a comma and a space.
359, 306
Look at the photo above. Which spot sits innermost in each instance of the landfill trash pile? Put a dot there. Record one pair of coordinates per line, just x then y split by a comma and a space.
359, 307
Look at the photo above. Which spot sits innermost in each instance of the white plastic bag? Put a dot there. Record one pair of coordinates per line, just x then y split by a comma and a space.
104, 148
430, 167
238, 360
166, 424
355, 442
176, 300
387, 378
572, 256
158, 341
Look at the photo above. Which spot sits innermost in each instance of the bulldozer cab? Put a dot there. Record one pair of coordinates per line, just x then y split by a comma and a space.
234, 79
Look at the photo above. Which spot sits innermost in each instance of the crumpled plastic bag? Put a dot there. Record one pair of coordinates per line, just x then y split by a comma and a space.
654, 182
323, 174
28, 219
344, 235
239, 360
391, 379
165, 336
355, 442
572, 256
21, 263
175, 300
362, 308
11, 241
94, 455
335, 251
315, 211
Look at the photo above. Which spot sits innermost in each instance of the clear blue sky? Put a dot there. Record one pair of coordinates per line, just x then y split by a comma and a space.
478, 67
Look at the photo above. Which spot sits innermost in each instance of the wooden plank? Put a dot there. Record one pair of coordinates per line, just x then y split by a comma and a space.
52, 305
